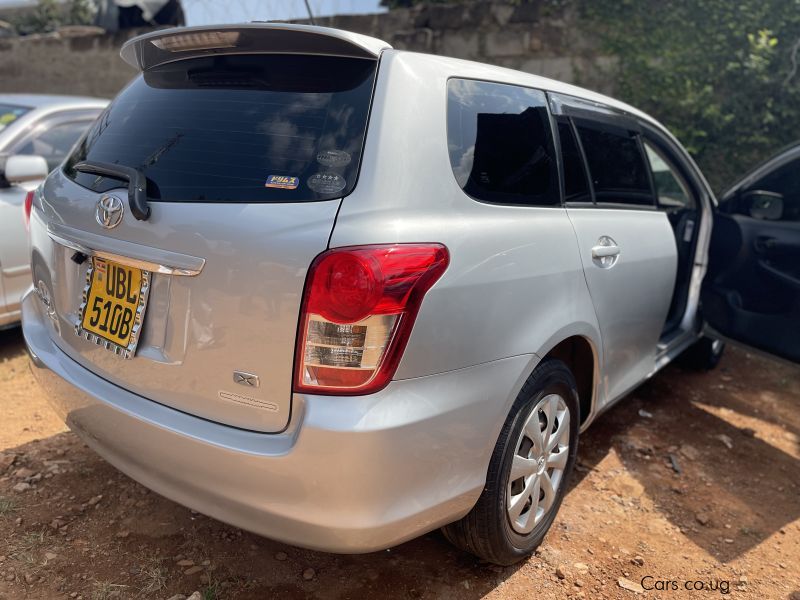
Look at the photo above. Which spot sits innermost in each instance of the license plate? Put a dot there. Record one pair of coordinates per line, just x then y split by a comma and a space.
115, 299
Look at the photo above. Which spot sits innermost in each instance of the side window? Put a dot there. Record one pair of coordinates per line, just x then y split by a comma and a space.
500, 143
672, 193
576, 185
616, 164
53, 143
776, 196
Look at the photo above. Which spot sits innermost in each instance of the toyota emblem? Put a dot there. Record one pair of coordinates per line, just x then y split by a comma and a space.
109, 211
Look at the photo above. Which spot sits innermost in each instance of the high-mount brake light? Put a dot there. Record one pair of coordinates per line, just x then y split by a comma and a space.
359, 307
204, 40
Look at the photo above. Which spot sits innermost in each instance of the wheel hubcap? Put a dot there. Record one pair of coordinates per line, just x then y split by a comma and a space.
538, 466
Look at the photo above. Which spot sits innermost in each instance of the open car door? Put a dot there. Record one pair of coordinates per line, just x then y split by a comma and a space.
751, 292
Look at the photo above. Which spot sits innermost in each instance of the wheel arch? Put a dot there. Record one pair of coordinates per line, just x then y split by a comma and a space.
581, 354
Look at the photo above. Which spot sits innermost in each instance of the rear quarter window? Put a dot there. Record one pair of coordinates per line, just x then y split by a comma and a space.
501, 144
257, 128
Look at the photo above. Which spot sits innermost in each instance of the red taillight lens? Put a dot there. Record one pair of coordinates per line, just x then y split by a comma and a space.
358, 310
27, 210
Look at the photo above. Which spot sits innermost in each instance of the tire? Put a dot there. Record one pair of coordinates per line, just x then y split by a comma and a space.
703, 355
490, 531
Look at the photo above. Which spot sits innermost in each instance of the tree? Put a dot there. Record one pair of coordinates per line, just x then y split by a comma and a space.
723, 76
49, 15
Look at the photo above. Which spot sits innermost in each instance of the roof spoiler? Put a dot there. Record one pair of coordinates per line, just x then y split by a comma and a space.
169, 45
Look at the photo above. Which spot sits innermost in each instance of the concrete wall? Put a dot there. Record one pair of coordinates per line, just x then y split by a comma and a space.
528, 37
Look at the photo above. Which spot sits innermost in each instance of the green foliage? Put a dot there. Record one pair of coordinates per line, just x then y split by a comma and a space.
80, 12
723, 76
49, 15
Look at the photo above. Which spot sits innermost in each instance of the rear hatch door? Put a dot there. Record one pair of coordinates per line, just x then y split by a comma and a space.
246, 158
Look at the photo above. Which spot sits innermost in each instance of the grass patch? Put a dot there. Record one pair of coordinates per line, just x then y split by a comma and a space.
103, 590
7, 506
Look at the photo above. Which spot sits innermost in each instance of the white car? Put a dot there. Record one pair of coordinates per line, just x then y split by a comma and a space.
36, 134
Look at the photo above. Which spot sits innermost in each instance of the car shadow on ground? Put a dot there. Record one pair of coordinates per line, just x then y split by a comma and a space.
696, 453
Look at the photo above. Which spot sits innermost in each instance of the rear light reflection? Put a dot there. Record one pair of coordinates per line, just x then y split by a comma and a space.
358, 311
26, 215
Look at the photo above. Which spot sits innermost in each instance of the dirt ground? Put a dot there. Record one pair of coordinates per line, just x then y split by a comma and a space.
692, 480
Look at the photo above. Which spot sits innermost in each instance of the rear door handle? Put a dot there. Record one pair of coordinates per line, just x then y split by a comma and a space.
603, 251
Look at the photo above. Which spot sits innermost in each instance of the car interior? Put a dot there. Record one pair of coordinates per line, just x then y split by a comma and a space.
752, 290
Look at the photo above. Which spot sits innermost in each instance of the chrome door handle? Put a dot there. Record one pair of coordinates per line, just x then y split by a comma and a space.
603, 251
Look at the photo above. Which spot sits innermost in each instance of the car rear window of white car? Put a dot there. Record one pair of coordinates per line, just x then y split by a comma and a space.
253, 128
501, 143
10, 113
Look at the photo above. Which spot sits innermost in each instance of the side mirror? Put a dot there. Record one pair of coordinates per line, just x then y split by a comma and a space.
764, 205
25, 168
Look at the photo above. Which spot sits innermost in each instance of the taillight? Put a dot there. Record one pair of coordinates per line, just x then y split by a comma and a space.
27, 210
358, 309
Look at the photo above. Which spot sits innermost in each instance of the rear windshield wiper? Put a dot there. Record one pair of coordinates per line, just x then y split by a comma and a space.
137, 183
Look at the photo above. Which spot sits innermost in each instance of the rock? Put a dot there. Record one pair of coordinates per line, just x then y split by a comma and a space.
123, 534
281, 556
177, 597
192, 570
57, 523
195, 596
689, 452
578, 583
638, 561
725, 440
95, 499
702, 518
50, 555
673, 460
23, 473
206, 563
631, 586
185, 562
309, 574
561, 572
581, 566
29, 578
22, 487
645, 414
6, 460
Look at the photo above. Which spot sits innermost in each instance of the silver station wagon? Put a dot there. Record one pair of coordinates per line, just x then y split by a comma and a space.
341, 295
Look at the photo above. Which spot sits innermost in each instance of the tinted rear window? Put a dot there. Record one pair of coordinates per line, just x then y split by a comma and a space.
10, 113
616, 163
500, 143
576, 186
260, 128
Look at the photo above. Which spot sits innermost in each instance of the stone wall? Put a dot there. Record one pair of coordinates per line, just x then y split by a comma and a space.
528, 37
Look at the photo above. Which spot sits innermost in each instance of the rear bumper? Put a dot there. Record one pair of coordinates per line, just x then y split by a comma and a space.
348, 475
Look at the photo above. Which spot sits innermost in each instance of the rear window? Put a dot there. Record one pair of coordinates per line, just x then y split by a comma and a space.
500, 143
258, 128
10, 113
616, 163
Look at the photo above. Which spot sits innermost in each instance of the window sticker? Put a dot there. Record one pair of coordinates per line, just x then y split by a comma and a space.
326, 183
283, 182
9, 117
333, 158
